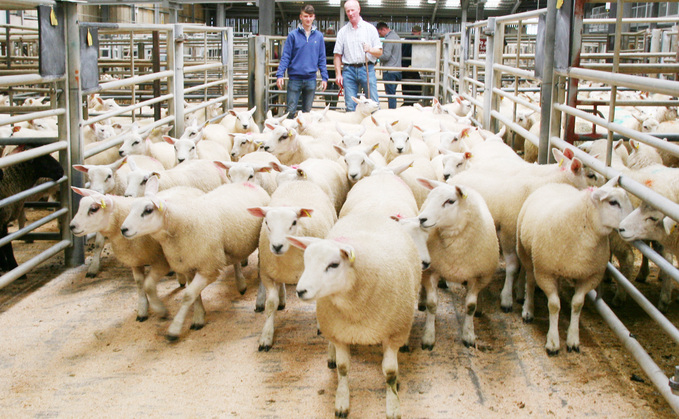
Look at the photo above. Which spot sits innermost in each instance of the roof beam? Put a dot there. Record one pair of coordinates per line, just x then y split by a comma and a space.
516, 6
436, 8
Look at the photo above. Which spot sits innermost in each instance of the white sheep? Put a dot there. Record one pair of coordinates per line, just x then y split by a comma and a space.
135, 144
402, 143
240, 121
364, 108
211, 132
449, 163
296, 208
360, 160
382, 192
364, 294
462, 244
199, 174
254, 167
200, 237
196, 148
291, 148
410, 167
246, 143
553, 218
327, 174
104, 215
642, 155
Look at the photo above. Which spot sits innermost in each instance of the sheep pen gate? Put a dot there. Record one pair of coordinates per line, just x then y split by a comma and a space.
161, 65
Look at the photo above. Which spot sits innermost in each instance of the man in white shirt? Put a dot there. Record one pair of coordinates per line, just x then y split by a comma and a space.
356, 40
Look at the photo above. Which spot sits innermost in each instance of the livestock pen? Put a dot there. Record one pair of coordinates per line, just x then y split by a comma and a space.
72, 346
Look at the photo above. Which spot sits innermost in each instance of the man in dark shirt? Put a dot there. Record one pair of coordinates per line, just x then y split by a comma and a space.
409, 76
332, 86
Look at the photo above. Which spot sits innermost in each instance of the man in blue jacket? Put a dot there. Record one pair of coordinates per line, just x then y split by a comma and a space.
303, 55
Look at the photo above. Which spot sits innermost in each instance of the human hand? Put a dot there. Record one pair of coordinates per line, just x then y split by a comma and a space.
366, 47
279, 83
340, 80
324, 85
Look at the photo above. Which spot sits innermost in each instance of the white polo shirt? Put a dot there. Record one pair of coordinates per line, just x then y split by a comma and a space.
350, 42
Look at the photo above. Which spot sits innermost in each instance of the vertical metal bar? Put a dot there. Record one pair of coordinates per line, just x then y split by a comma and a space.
229, 69
74, 255
437, 69
547, 82
462, 84
489, 73
132, 73
9, 42
261, 80
155, 57
614, 88
576, 50
446, 62
178, 46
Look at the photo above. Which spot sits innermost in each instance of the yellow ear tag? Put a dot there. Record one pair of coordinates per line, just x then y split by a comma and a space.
560, 162
89, 38
103, 203
464, 195
306, 213
636, 145
160, 206
290, 133
673, 228
352, 256
53, 18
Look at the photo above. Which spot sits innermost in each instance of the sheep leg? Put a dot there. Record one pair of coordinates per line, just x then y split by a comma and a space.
626, 262
520, 286
666, 285
182, 280
644, 270
332, 356
511, 268
95, 265
240, 279
529, 303
266, 339
342, 393
390, 370
429, 335
549, 286
422, 298
261, 298
142, 302
191, 293
573, 336
151, 289
198, 314
468, 336
281, 296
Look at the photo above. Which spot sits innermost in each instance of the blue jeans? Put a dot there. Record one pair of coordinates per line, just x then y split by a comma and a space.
297, 88
355, 77
390, 88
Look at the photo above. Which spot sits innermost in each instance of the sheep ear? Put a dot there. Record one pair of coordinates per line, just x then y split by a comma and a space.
355, 100
152, 185
348, 253
269, 114
339, 149
81, 168
304, 212
271, 127
576, 166
428, 183
461, 191
634, 144
258, 211
232, 112
301, 242
83, 191
558, 156
223, 164
277, 166
169, 139
669, 225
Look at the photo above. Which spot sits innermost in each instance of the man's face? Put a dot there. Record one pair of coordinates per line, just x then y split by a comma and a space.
353, 11
383, 31
306, 19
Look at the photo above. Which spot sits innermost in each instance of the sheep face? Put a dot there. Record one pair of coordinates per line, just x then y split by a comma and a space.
244, 119
103, 132
419, 235
185, 150
241, 173
454, 163
146, 217
366, 106
136, 182
280, 141
645, 223
613, 205
281, 222
241, 145
358, 164
192, 130
328, 267
134, 144
101, 178
650, 124
400, 142
443, 207
94, 213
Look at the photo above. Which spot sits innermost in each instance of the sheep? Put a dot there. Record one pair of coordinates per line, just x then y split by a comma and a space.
135, 144
462, 245
449, 163
364, 294
360, 161
254, 167
104, 215
402, 143
382, 192
196, 148
290, 148
199, 237
272, 120
325, 131
459, 107
327, 174
552, 219
410, 167
240, 122
364, 108
199, 174
642, 155
212, 132
246, 143
296, 208
17, 178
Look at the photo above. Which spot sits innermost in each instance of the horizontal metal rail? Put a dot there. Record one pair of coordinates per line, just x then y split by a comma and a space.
27, 266
38, 223
121, 111
645, 84
30, 192
517, 99
521, 16
515, 71
6, 81
129, 81
32, 115
32, 153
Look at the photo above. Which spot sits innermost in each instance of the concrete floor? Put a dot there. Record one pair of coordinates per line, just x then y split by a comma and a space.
71, 347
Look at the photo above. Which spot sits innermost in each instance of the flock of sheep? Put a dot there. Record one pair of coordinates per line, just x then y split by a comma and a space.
365, 213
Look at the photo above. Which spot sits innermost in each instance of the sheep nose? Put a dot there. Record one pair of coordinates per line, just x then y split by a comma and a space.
277, 248
400, 150
180, 160
71, 226
425, 265
621, 230
121, 153
124, 231
446, 176
422, 221
353, 176
266, 148
300, 293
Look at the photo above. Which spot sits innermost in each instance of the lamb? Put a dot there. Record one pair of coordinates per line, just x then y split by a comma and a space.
462, 244
642, 155
364, 108
382, 192
552, 219
360, 161
104, 215
197, 148
364, 295
409, 168
402, 143
327, 174
135, 144
296, 208
246, 143
15, 179
254, 167
240, 122
211, 132
199, 174
459, 107
191, 230
449, 163
290, 148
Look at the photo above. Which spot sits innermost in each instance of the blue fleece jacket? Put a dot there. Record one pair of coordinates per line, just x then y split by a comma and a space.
302, 56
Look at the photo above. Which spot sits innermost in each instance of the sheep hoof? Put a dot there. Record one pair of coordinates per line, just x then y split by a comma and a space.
443, 284
242, 292
478, 314
196, 326
428, 347
506, 309
244, 263
421, 307
332, 365
90, 275
318, 332
171, 338
469, 344
342, 414
573, 348
520, 300
552, 353
404, 349
264, 348
528, 319
281, 307
142, 318
259, 309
